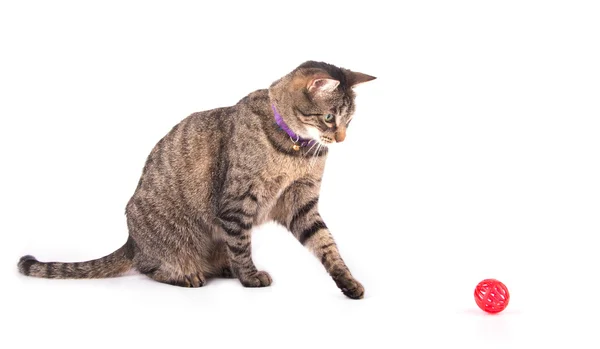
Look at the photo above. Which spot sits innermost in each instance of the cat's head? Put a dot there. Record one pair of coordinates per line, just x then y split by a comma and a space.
316, 100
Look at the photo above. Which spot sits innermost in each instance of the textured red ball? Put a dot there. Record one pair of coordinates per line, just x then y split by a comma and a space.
491, 296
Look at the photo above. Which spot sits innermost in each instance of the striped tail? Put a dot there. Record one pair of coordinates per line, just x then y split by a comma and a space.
115, 264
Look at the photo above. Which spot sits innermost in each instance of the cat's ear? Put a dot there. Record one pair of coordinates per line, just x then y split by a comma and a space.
355, 78
319, 85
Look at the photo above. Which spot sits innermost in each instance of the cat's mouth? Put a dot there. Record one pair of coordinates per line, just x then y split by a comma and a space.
327, 140
323, 139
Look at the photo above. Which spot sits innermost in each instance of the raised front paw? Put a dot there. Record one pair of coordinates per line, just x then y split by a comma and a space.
258, 279
350, 287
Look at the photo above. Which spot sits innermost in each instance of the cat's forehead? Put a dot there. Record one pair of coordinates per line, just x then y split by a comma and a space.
339, 103
343, 105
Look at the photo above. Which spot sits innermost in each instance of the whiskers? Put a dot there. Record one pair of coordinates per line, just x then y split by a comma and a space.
314, 157
311, 147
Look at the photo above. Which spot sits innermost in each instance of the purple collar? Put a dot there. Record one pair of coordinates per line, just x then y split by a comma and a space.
302, 142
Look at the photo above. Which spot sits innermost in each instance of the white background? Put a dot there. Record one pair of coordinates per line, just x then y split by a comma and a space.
475, 154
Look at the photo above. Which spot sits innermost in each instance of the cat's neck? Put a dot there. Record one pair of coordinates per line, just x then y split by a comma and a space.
260, 104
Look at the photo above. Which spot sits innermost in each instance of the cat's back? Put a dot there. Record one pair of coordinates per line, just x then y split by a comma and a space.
194, 138
187, 162
212, 125
187, 153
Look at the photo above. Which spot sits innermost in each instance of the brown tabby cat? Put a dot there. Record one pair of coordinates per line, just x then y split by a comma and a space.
221, 172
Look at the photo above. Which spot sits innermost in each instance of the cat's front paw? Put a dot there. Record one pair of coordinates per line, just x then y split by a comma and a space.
350, 287
258, 279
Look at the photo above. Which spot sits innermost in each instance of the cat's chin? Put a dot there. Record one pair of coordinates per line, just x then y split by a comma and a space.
326, 144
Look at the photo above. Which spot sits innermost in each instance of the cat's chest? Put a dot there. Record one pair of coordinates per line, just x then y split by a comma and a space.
284, 170
279, 174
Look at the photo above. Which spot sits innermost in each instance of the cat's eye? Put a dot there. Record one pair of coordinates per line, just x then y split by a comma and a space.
328, 117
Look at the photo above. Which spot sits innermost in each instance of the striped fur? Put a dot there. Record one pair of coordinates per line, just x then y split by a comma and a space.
114, 264
219, 173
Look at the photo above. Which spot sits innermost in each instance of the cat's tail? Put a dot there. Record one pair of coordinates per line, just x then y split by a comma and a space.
115, 264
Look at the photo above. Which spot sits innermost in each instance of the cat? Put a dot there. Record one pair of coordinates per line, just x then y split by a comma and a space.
219, 173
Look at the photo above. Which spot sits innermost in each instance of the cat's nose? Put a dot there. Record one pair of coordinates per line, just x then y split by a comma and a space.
340, 135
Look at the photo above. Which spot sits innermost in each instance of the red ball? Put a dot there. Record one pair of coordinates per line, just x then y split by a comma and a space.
491, 296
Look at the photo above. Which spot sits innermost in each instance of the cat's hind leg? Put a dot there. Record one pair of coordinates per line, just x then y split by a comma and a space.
165, 273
